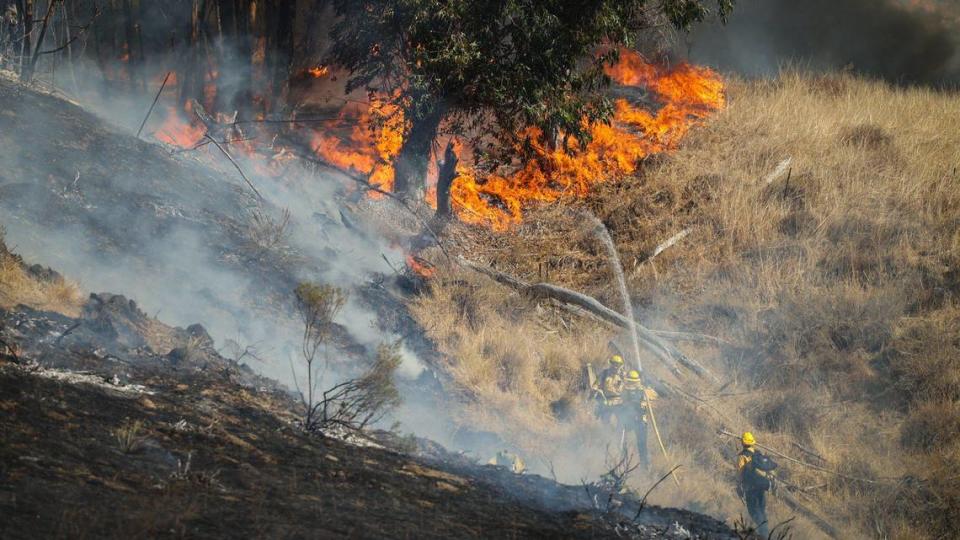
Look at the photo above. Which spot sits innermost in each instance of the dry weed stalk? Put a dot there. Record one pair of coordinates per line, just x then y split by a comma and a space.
130, 438
317, 305
352, 404
267, 234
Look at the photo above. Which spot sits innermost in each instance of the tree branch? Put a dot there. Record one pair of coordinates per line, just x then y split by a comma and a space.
662, 350
83, 30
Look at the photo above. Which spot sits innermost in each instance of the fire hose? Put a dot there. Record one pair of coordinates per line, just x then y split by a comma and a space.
656, 431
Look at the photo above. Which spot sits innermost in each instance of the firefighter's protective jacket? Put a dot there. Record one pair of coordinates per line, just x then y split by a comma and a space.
611, 383
637, 399
750, 478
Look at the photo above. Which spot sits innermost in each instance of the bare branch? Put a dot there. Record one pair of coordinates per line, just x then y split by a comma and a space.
648, 339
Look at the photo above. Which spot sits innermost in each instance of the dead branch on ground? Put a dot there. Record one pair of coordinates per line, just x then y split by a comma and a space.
670, 242
782, 167
662, 350
692, 337
611, 483
154, 104
643, 501
235, 165
354, 404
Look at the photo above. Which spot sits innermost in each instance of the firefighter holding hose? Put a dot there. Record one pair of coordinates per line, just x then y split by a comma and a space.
609, 389
635, 413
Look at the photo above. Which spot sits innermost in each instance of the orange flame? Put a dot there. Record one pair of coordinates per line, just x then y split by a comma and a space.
177, 131
687, 95
420, 267
366, 140
374, 141
318, 71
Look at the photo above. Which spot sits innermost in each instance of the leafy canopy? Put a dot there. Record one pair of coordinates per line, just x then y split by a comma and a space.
503, 64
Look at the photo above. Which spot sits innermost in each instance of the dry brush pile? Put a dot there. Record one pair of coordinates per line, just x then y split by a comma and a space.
824, 251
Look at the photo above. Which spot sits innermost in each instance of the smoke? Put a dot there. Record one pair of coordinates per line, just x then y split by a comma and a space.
168, 232
884, 39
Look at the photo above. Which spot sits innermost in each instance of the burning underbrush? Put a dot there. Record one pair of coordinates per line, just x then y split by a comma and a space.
658, 105
683, 96
817, 280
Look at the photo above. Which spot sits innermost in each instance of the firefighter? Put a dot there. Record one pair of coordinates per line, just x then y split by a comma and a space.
634, 414
754, 479
611, 388
508, 460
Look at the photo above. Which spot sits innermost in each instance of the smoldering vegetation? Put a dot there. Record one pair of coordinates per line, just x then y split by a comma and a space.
828, 287
901, 42
173, 222
184, 235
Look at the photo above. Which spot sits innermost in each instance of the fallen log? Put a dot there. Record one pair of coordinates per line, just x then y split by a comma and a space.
691, 337
878, 480
659, 348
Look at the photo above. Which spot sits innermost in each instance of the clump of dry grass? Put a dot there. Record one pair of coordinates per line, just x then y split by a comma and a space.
19, 286
130, 437
835, 282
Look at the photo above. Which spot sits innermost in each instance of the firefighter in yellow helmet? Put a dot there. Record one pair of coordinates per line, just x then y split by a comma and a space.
611, 387
755, 476
508, 460
635, 411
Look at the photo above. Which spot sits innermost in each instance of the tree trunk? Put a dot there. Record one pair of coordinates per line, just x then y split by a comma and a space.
130, 39
190, 76
445, 177
411, 163
245, 38
43, 34
25, 46
279, 34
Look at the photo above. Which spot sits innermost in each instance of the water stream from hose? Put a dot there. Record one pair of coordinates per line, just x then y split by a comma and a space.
601, 232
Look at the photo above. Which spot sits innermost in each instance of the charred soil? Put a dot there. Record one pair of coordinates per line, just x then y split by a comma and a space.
106, 438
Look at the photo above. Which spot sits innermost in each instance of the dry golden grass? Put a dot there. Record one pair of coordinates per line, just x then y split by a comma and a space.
514, 369
17, 286
836, 282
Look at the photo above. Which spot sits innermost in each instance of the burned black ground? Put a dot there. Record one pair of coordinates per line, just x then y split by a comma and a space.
105, 438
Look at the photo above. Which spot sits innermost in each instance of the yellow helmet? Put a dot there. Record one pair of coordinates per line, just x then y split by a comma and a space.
616, 360
747, 439
633, 376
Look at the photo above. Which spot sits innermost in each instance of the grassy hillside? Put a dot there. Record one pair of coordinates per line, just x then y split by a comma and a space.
35, 287
831, 279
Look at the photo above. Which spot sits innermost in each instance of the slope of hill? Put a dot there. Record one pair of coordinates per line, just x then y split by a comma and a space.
179, 230
818, 282
116, 425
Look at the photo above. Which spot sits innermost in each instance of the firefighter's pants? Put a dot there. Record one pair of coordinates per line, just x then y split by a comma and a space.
756, 500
